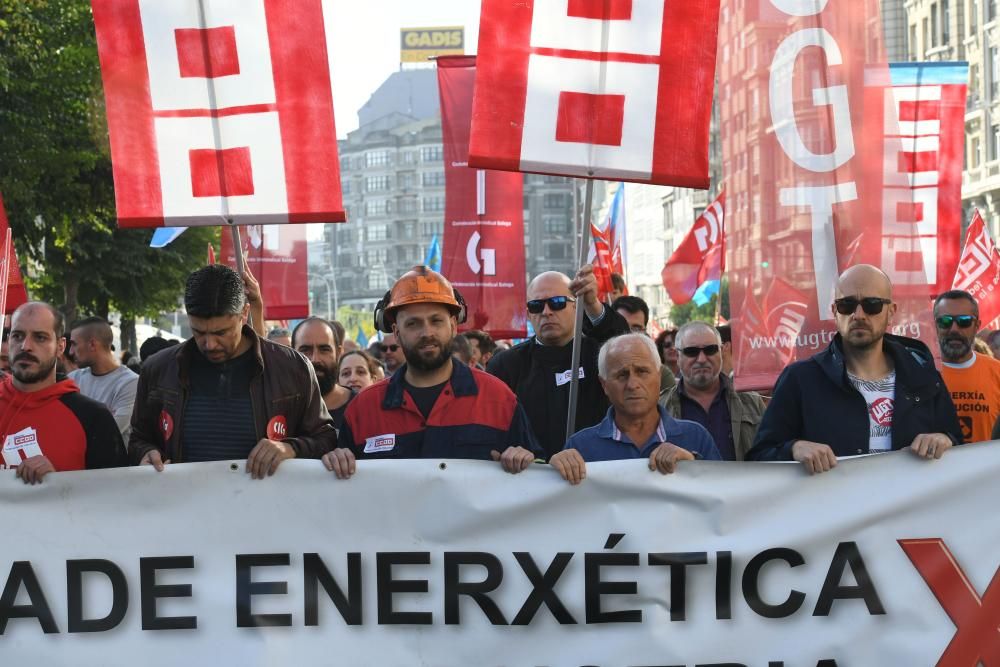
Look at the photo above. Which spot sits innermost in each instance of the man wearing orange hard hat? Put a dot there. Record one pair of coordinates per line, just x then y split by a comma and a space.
434, 406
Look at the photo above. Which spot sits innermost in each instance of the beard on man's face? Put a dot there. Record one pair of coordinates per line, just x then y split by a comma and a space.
31, 377
955, 346
428, 361
325, 379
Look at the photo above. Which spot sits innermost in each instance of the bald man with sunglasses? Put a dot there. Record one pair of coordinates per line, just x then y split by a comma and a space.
868, 392
538, 370
705, 395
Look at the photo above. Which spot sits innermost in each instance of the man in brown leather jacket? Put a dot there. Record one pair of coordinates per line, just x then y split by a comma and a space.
227, 393
705, 394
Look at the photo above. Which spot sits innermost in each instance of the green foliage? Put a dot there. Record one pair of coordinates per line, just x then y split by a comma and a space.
55, 171
689, 312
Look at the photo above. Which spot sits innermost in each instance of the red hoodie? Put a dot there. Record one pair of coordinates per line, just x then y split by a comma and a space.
73, 432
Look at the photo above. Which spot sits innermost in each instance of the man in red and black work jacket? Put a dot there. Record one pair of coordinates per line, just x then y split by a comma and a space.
434, 406
46, 424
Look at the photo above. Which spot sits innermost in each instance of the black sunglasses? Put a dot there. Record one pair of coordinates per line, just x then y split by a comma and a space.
872, 305
536, 306
693, 352
964, 321
389, 348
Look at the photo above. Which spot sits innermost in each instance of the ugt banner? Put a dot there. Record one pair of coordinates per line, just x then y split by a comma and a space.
608, 89
484, 216
219, 110
278, 257
14, 294
629, 568
831, 159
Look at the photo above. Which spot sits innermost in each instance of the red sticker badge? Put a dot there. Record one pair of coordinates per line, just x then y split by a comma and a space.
166, 425
277, 428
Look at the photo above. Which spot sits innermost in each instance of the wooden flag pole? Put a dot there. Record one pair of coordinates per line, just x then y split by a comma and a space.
574, 383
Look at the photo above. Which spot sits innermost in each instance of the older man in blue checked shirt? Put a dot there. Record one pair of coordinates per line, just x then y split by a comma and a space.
635, 425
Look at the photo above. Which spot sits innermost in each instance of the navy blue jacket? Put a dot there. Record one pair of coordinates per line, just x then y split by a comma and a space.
813, 400
475, 414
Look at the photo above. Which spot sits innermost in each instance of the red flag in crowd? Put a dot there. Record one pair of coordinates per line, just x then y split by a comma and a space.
600, 259
12, 291
277, 255
612, 90
483, 248
700, 256
979, 271
233, 122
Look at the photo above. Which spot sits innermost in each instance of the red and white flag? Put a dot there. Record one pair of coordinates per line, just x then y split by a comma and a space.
600, 257
979, 271
610, 89
483, 249
277, 255
219, 110
12, 291
700, 257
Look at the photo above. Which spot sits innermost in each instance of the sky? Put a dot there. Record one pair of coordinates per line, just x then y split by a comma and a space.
365, 43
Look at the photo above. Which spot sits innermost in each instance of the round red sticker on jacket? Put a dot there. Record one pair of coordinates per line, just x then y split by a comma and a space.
166, 425
277, 428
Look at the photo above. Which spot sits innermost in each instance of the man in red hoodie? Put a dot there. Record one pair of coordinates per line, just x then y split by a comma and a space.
46, 424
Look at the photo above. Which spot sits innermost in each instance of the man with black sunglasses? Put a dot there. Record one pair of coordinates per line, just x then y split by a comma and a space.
704, 394
538, 370
972, 379
392, 354
868, 392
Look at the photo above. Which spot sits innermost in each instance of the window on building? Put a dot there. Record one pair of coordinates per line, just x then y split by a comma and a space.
945, 22
377, 183
926, 41
934, 25
556, 251
407, 180
433, 179
409, 157
376, 232
377, 158
377, 207
378, 280
432, 204
996, 142
975, 157
431, 154
555, 201
991, 9
408, 205
556, 224
345, 186
429, 229
912, 46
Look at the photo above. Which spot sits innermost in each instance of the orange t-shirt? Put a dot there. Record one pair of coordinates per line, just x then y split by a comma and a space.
975, 390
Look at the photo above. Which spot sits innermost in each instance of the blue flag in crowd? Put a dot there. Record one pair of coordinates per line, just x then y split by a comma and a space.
705, 292
433, 260
362, 339
164, 236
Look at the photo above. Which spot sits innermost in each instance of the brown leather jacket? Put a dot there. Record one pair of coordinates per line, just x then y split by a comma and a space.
284, 385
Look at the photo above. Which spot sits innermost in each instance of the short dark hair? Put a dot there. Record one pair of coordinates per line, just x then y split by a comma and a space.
633, 305
617, 281
337, 340
214, 291
96, 328
58, 319
953, 294
340, 333
725, 333
152, 345
483, 339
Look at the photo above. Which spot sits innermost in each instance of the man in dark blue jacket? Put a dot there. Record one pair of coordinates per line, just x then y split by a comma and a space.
868, 392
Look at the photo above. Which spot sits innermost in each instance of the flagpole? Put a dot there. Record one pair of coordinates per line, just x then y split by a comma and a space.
574, 382
5, 276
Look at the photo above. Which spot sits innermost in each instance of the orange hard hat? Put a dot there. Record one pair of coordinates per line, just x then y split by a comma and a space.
418, 285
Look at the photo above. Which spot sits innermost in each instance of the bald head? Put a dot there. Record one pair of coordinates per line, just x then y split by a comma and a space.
864, 280
550, 283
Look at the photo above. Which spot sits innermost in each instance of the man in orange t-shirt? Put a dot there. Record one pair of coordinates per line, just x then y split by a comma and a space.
973, 379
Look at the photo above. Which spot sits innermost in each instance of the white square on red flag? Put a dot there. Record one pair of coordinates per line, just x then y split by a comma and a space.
219, 110
613, 89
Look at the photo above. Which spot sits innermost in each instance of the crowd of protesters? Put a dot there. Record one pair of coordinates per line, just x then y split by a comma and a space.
235, 391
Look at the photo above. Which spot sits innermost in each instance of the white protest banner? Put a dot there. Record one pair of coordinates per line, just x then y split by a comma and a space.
456, 563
